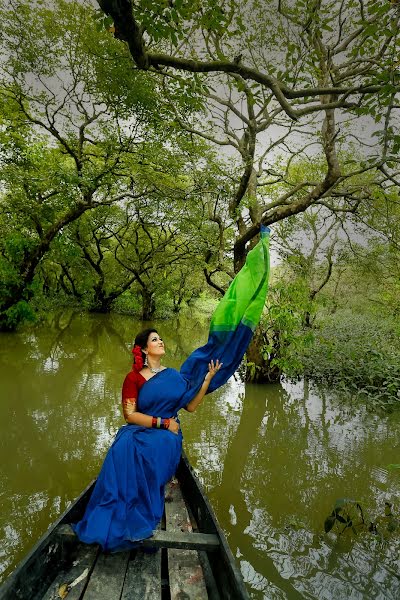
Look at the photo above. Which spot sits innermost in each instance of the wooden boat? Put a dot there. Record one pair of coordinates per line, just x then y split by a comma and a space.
191, 558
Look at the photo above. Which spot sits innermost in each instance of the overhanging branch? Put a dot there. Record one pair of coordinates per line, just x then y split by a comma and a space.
128, 30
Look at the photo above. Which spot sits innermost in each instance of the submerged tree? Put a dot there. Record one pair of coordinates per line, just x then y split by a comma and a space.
66, 150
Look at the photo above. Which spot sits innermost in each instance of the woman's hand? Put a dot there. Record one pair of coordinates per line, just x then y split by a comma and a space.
213, 369
173, 426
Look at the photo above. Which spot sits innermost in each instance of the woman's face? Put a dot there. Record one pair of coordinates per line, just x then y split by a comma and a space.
155, 345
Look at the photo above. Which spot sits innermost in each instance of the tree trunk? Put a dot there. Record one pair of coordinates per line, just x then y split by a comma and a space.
148, 305
102, 301
259, 369
102, 304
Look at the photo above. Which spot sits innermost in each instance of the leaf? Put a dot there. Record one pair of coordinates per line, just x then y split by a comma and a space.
329, 523
63, 590
341, 519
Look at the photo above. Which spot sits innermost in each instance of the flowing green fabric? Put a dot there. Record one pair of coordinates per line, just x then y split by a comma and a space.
245, 297
234, 320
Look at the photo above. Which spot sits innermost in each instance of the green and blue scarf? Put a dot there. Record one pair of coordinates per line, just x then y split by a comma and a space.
234, 320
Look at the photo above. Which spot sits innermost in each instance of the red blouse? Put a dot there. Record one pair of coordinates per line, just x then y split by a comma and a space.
132, 384
130, 391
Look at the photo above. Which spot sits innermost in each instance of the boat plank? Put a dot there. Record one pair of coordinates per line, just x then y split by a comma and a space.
184, 540
186, 578
143, 577
107, 579
77, 575
167, 539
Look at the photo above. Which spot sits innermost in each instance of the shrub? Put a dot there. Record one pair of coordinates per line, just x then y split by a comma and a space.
356, 353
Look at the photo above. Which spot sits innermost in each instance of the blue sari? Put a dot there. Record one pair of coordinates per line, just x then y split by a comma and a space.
127, 502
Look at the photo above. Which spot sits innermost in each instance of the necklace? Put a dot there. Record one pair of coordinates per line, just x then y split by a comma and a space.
155, 371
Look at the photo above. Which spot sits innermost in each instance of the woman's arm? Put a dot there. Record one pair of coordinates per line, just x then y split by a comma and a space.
131, 415
212, 370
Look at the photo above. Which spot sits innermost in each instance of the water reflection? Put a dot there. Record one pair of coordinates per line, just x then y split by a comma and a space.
273, 458
294, 451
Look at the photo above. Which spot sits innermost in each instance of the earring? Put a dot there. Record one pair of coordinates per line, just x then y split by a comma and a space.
145, 360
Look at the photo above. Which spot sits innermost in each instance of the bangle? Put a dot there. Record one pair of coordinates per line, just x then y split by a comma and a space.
159, 423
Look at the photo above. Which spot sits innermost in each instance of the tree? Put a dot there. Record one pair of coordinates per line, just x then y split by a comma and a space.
152, 243
300, 81
367, 280
83, 262
283, 64
74, 135
308, 245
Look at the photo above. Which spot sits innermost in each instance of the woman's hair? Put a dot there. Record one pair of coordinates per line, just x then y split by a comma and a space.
141, 341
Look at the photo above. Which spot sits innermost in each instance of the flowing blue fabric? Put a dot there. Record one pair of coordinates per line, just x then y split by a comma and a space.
128, 500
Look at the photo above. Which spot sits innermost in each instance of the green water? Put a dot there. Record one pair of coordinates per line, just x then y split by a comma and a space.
273, 459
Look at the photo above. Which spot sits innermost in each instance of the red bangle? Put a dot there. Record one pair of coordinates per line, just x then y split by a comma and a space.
154, 421
166, 423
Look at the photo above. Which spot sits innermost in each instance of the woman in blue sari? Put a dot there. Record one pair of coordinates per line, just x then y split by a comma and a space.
128, 500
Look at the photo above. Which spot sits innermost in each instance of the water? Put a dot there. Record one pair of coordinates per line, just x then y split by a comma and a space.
273, 459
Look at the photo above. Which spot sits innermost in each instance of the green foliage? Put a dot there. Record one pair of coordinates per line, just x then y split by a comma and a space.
353, 303
358, 355
128, 303
174, 21
15, 248
282, 324
20, 312
99, 190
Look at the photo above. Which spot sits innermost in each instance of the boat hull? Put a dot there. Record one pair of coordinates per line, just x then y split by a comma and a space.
52, 560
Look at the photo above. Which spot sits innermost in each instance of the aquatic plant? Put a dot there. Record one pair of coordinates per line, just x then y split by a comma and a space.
348, 516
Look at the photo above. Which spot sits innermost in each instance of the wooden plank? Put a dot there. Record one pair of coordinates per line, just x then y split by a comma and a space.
186, 578
143, 577
184, 540
108, 577
72, 582
167, 539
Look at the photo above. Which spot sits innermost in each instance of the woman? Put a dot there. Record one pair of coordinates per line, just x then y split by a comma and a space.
128, 500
